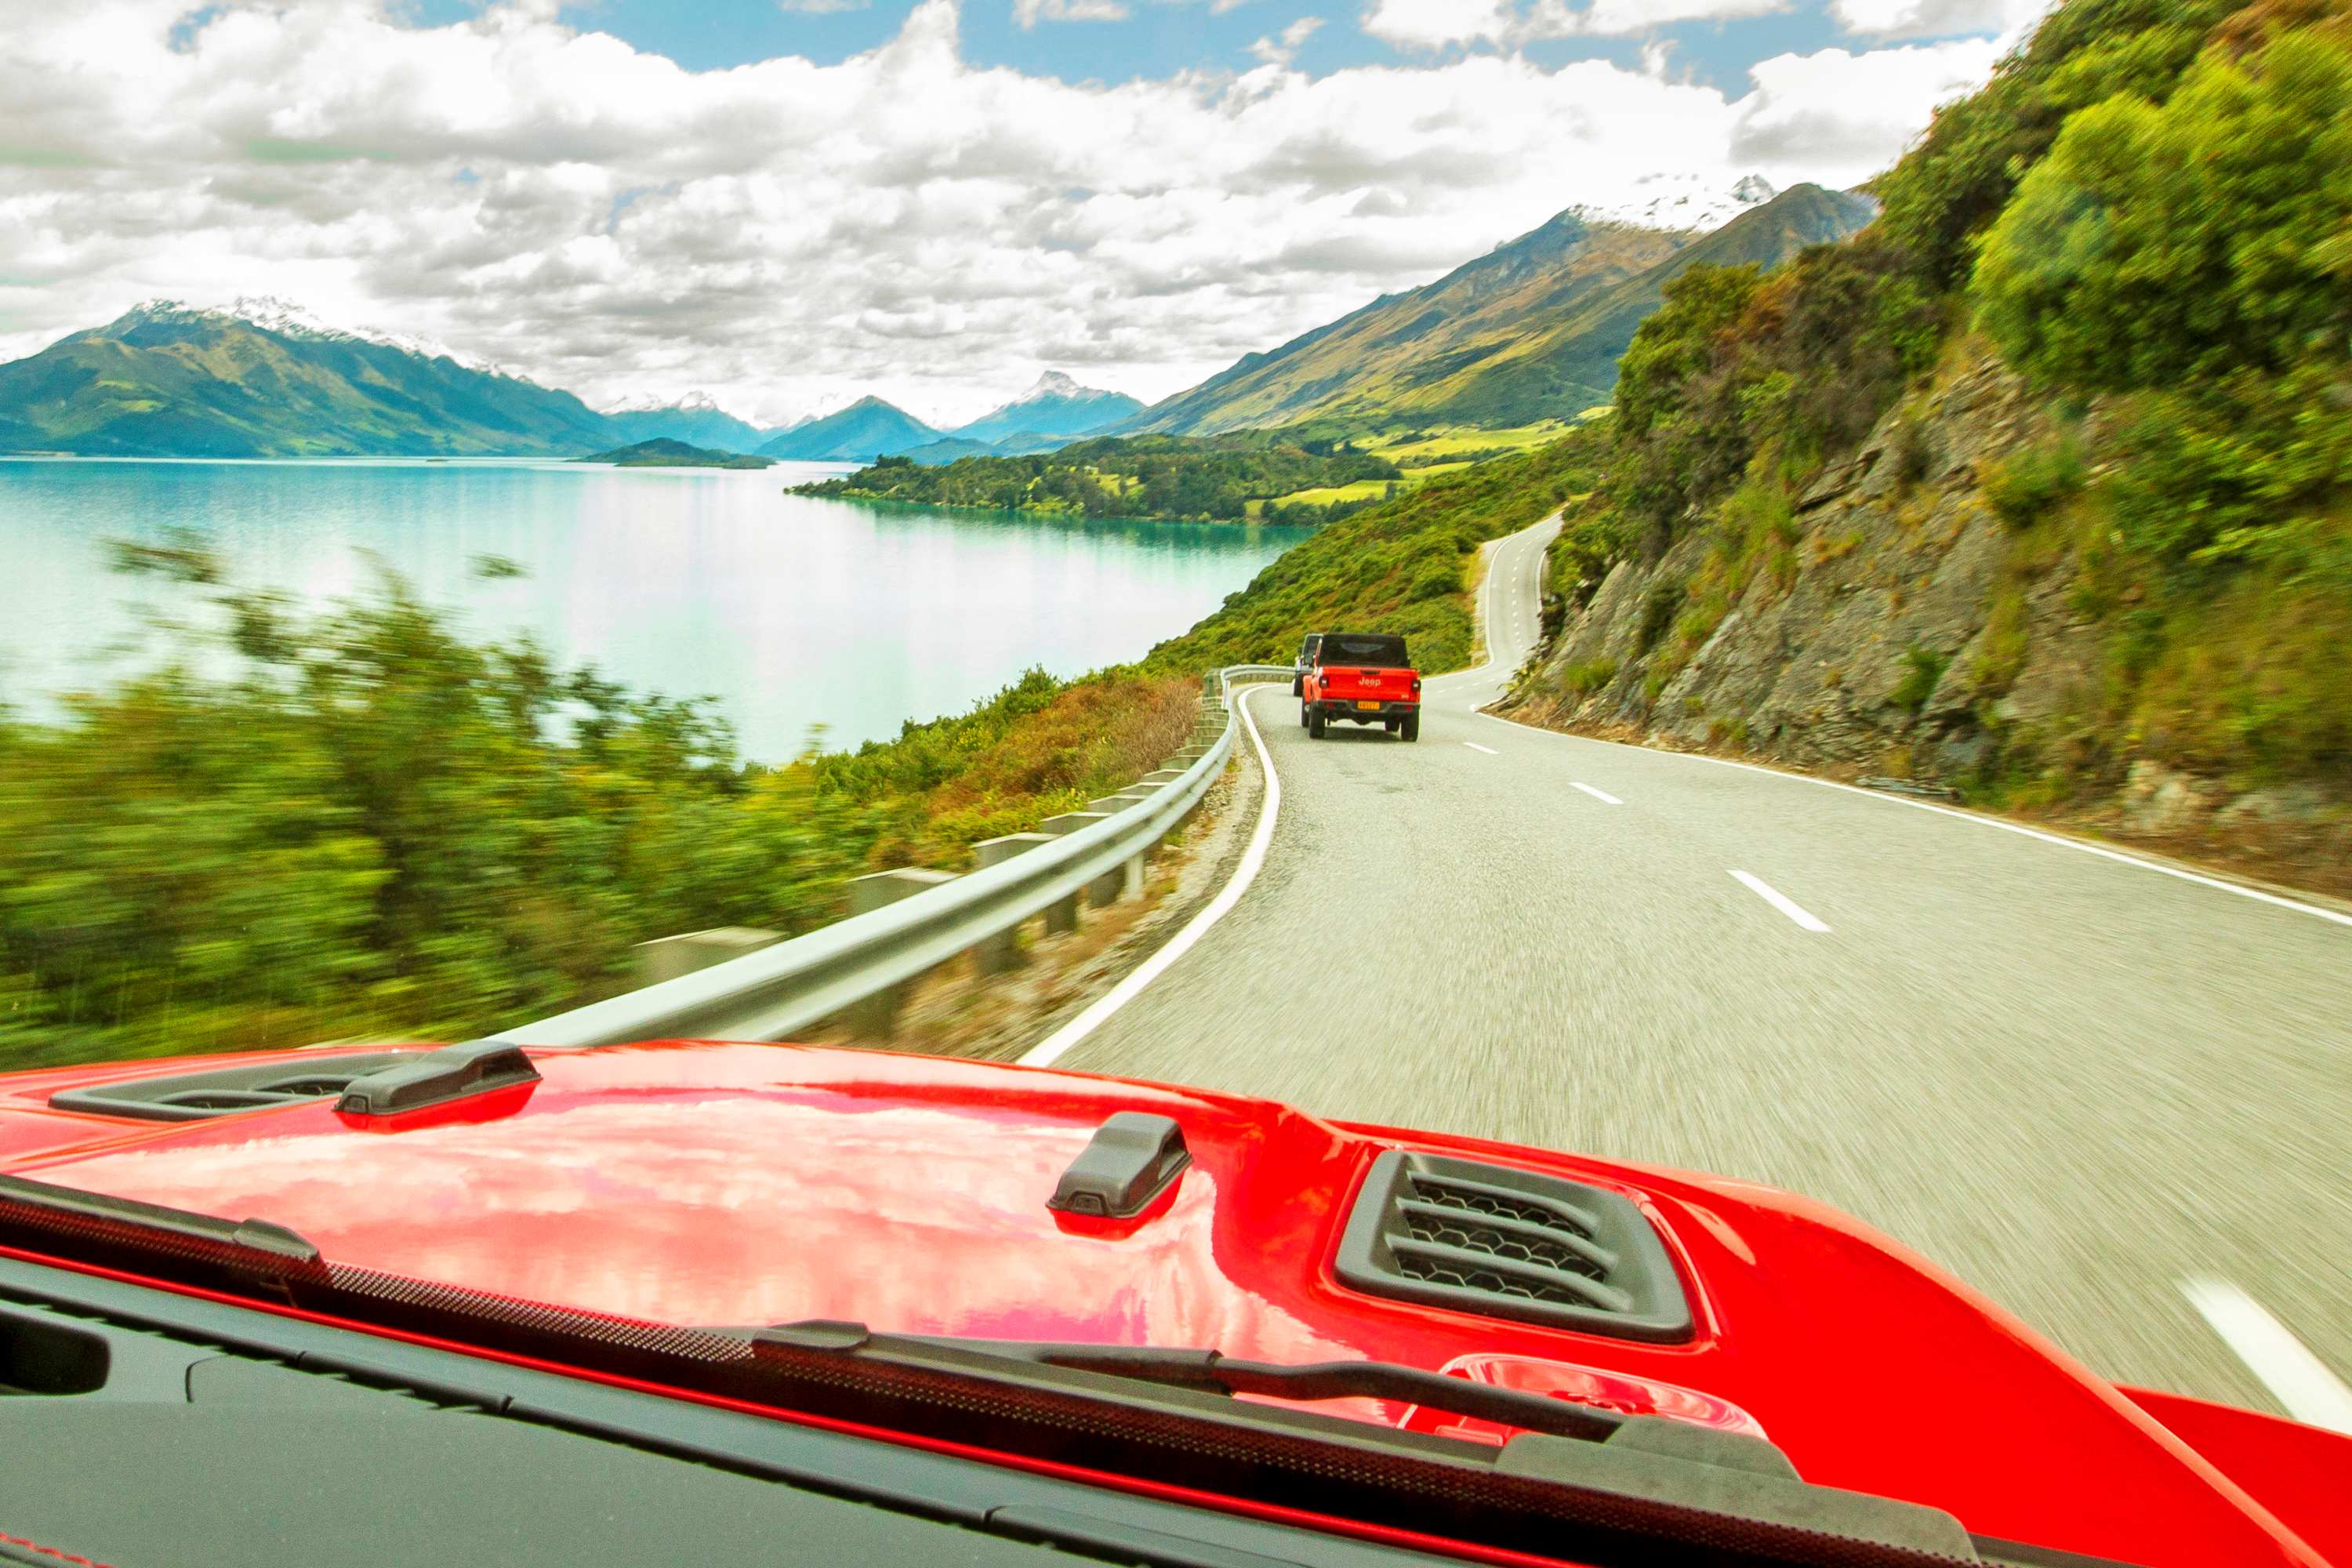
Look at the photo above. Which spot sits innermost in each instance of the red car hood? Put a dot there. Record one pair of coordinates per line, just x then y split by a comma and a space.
747, 1185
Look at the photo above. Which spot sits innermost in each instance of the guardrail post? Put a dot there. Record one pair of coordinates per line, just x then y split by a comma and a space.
878, 1016
1002, 951
1064, 917
1104, 890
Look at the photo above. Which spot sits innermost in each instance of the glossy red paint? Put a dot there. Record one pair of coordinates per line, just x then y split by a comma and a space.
2301, 1474
733, 1184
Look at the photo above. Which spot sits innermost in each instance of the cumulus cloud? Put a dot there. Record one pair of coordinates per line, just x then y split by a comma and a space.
1442, 24
789, 235
1840, 113
1278, 48
1029, 13
1939, 19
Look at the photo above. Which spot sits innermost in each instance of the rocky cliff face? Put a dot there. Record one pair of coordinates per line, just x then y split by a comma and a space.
1897, 626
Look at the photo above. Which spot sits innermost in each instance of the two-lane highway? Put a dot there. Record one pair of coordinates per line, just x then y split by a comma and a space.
2088, 1087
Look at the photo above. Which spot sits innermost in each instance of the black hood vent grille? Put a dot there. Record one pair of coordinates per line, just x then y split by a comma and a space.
1507, 1243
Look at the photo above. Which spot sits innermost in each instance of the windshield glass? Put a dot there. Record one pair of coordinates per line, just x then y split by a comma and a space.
1371, 652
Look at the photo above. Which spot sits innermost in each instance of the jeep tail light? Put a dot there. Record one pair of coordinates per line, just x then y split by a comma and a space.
1416, 686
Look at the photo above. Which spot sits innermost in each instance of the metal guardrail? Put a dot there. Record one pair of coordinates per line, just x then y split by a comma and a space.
788, 987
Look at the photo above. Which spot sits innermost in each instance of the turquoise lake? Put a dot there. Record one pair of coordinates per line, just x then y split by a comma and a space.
795, 613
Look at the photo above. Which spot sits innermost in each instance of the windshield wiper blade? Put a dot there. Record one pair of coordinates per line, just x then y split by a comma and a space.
1214, 1372
1632, 1488
144, 1236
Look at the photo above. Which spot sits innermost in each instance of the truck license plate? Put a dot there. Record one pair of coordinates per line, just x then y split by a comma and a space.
1362, 707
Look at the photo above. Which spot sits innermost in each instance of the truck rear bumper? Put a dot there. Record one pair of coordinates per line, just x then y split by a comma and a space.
1381, 713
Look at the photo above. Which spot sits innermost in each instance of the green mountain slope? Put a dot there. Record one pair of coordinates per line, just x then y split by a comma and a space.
1529, 332
165, 381
867, 429
1401, 566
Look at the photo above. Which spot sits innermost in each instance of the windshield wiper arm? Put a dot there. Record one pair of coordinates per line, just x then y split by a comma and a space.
1216, 1373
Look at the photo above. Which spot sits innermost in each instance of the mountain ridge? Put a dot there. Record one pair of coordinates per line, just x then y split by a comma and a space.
166, 379
867, 429
1551, 311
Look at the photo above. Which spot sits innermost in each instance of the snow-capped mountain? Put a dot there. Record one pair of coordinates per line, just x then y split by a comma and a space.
1056, 408
697, 419
1683, 201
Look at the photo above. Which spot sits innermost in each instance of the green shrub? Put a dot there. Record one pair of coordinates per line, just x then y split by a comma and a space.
302, 826
2024, 487
1923, 670
2205, 236
1435, 581
1588, 675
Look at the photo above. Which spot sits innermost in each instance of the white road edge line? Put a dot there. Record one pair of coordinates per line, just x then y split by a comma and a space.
2296, 1378
2022, 831
1477, 747
1601, 795
1777, 899
1049, 1050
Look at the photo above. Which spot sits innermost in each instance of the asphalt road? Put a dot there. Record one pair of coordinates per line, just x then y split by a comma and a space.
2077, 1083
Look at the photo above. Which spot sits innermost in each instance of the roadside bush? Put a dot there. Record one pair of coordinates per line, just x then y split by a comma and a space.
1435, 581
2023, 488
299, 827
2206, 235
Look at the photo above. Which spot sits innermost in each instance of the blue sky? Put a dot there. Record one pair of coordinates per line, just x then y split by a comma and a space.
786, 206
1156, 39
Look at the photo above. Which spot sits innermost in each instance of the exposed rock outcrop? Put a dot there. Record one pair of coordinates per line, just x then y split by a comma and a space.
1907, 631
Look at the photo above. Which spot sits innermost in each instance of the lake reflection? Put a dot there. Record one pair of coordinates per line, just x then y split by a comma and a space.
794, 612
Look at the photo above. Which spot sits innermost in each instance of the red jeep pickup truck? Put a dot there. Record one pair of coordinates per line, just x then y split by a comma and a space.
1364, 678
701, 1302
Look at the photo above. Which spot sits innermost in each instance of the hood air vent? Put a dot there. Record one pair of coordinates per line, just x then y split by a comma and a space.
224, 1092
1506, 1243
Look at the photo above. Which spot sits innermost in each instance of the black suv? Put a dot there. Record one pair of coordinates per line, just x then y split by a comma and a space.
1305, 662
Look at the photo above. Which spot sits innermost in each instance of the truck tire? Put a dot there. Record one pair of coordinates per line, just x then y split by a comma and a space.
1298, 685
1302, 715
1412, 730
1314, 723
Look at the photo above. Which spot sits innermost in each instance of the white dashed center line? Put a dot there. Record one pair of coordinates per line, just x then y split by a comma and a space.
1778, 900
1601, 795
1477, 747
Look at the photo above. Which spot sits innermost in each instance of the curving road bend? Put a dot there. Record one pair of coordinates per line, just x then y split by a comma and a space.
2108, 1096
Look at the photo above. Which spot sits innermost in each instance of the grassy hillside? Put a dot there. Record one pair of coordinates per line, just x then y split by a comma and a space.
1399, 566
1529, 332
2085, 387
1222, 479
